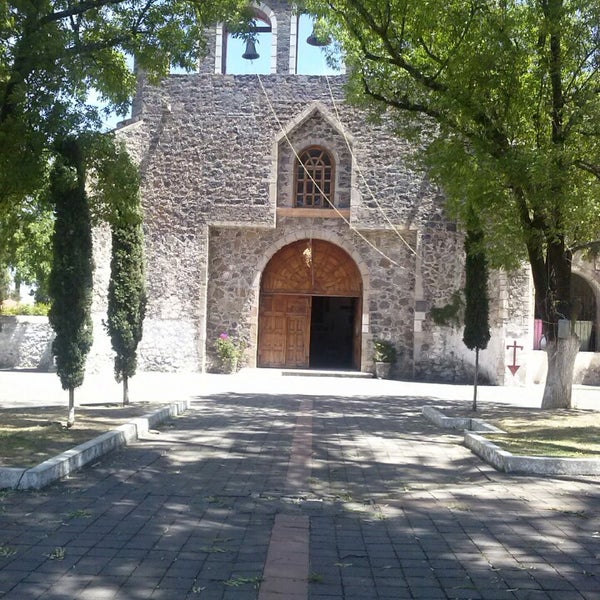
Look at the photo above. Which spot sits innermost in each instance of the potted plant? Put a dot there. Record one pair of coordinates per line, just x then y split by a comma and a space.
229, 351
385, 356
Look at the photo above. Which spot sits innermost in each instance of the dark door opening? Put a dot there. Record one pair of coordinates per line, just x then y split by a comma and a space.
331, 332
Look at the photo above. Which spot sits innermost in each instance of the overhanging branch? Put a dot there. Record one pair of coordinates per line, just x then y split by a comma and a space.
590, 168
593, 246
403, 103
78, 9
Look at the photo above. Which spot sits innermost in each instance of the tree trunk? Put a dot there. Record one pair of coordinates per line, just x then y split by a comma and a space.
561, 364
71, 418
474, 407
125, 390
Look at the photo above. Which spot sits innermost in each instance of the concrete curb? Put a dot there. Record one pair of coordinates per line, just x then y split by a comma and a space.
71, 460
506, 461
531, 465
438, 418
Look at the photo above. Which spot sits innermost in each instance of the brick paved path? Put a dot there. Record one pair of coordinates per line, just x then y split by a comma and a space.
246, 491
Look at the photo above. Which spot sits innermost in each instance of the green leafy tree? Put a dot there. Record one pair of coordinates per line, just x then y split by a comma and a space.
55, 56
26, 232
127, 287
4, 284
477, 329
504, 94
72, 269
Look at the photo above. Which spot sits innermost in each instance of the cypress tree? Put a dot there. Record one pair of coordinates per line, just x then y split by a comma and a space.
477, 330
126, 297
70, 282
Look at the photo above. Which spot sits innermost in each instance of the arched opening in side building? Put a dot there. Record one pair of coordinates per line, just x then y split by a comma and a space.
310, 308
584, 316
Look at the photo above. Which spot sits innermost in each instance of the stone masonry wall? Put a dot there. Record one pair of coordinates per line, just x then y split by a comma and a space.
238, 257
214, 144
216, 164
440, 354
212, 156
25, 343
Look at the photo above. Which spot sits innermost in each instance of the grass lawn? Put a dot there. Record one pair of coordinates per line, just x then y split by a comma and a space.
29, 436
562, 433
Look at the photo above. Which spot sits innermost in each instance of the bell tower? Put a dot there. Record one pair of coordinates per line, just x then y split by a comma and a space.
280, 38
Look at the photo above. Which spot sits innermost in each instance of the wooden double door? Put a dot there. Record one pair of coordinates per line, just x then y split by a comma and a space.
310, 308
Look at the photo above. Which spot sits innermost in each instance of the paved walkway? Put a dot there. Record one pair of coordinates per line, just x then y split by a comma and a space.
298, 488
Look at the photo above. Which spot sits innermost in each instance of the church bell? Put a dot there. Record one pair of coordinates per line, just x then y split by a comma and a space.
250, 53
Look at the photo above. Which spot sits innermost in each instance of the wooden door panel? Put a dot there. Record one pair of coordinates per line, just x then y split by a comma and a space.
272, 341
297, 343
284, 326
297, 305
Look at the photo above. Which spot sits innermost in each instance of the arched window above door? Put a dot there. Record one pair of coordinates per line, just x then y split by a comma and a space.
314, 178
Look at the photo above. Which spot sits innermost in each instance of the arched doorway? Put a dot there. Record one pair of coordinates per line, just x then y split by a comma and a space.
584, 313
310, 308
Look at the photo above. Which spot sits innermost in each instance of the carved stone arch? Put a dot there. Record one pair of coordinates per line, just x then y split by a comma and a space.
313, 108
326, 236
310, 312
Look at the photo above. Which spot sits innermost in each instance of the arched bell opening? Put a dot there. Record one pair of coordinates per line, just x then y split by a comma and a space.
310, 313
307, 48
584, 310
584, 316
238, 53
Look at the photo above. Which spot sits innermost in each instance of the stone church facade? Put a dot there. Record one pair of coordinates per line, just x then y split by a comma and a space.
241, 239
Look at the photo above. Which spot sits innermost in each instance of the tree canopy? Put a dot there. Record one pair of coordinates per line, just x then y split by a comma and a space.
26, 244
54, 54
58, 60
506, 96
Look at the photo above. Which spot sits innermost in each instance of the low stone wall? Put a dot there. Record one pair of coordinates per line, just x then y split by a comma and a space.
169, 346
173, 345
532, 465
587, 367
25, 343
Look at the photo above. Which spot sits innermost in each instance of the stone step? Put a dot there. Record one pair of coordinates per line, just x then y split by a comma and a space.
325, 373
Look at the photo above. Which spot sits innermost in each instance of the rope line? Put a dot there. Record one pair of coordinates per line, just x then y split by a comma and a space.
355, 164
360, 172
318, 187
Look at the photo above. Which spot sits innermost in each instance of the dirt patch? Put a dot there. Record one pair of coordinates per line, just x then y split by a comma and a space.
29, 436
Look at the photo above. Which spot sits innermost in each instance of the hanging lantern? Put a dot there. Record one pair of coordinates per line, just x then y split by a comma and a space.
250, 53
